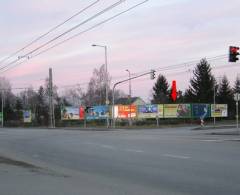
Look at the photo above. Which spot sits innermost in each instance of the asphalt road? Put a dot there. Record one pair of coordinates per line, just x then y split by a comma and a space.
165, 161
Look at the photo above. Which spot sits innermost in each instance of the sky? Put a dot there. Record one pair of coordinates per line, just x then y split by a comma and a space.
157, 34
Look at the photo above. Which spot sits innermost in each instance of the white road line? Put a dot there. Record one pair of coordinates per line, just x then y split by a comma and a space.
211, 140
176, 156
133, 150
106, 146
100, 145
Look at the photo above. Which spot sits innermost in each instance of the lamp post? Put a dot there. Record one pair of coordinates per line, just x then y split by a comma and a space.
106, 72
214, 100
129, 97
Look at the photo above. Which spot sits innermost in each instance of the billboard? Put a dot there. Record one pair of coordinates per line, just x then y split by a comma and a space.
70, 113
160, 111
97, 112
27, 116
147, 111
201, 110
123, 111
177, 110
221, 110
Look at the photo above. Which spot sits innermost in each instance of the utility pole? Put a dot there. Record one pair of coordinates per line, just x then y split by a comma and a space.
51, 106
2, 109
106, 76
214, 104
214, 100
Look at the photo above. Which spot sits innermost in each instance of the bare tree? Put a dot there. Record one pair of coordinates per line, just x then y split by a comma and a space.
96, 91
74, 95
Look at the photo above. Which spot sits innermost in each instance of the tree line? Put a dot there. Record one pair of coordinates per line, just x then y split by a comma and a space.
201, 89
38, 100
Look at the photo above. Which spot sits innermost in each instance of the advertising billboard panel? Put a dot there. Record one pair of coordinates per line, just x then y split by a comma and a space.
97, 112
177, 110
70, 113
160, 111
221, 110
201, 110
27, 116
147, 111
125, 110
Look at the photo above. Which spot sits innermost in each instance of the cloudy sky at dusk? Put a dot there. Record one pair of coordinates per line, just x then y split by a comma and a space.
156, 34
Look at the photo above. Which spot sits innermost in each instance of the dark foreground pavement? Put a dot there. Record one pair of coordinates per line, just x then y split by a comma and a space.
166, 161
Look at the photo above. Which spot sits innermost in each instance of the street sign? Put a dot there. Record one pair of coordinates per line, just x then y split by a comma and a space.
237, 97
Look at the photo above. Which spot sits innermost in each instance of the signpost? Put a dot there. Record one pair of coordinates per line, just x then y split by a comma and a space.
237, 99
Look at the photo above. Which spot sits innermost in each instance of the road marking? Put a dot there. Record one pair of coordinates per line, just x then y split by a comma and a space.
100, 145
132, 150
106, 146
211, 140
176, 156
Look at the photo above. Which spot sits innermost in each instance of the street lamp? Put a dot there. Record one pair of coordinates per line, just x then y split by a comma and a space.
214, 100
129, 96
106, 72
130, 90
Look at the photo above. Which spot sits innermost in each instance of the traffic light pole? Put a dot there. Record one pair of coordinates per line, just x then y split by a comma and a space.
123, 81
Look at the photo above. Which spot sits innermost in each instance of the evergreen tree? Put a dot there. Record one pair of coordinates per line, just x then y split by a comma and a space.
180, 97
18, 105
225, 95
161, 91
42, 107
236, 88
8, 112
19, 108
201, 85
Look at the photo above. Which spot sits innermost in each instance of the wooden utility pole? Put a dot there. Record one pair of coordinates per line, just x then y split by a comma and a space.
51, 105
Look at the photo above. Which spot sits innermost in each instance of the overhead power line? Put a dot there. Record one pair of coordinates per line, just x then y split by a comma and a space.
49, 31
78, 34
66, 32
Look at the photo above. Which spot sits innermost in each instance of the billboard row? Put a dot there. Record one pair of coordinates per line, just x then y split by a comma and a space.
146, 111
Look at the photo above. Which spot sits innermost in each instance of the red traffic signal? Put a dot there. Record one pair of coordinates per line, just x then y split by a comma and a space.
233, 53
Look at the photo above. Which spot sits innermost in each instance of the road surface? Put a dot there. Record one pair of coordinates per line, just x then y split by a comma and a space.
142, 162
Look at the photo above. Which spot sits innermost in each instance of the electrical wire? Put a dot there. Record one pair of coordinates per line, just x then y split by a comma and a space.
49, 31
78, 34
66, 32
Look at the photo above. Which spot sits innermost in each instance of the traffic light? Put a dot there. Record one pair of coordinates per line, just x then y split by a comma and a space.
233, 54
152, 74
